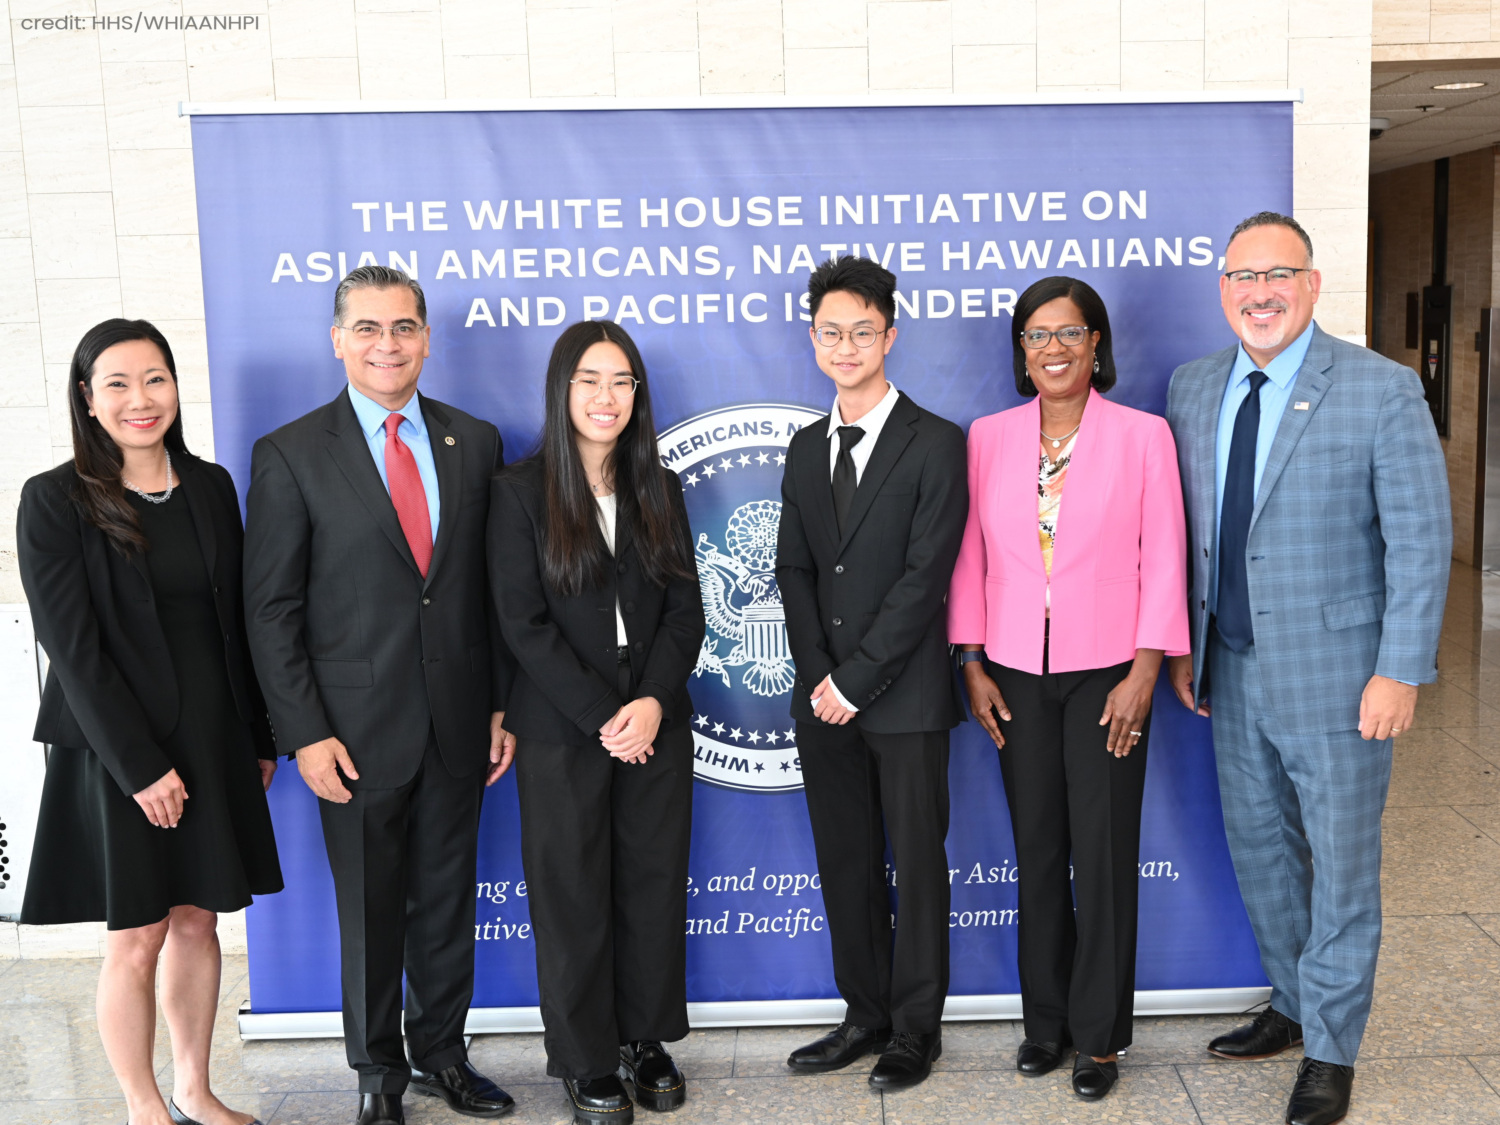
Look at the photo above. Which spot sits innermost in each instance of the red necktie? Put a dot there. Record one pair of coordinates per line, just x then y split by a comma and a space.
407, 494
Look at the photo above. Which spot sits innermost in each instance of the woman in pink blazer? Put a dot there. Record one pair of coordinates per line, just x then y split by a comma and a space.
1076, 521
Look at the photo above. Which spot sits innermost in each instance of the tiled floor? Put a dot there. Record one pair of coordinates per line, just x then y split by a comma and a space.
1431, 1055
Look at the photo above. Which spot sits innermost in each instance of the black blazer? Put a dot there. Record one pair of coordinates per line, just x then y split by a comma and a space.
566, 648
111, 687
868, 607
349, 640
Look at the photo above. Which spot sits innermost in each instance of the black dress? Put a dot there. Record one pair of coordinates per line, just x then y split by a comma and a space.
97, 857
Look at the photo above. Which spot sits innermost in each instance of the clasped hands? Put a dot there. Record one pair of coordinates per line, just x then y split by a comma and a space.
630, 734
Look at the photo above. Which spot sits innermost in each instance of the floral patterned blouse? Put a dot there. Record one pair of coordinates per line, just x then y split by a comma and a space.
1050, 478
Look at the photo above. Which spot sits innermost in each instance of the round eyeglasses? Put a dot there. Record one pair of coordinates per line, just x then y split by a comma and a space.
1035, 339
406, 331
862, 337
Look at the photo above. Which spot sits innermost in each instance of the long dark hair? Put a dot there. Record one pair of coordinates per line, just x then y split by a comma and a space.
574, 554
96, 458
1096, 318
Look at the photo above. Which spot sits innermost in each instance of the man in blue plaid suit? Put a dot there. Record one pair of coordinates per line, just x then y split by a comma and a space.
1320, 534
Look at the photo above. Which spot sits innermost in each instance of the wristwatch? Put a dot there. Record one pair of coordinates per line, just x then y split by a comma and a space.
969, 658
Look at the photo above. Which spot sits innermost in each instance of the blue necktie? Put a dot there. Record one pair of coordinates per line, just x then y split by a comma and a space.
1233, 609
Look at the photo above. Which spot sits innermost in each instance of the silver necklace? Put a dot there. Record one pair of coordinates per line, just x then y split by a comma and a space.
149, 497
1057, 441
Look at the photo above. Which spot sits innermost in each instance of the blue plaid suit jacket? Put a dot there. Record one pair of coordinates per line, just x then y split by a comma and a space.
1351, 534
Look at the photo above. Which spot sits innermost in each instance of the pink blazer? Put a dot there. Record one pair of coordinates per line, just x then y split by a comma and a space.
1119, 564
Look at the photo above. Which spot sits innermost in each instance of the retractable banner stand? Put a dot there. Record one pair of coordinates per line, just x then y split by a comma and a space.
696, 230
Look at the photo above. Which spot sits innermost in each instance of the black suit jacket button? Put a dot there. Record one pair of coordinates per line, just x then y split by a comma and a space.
639, 645
838, 620
623, 567
838, 569
426, 601
1202, 605
629, 607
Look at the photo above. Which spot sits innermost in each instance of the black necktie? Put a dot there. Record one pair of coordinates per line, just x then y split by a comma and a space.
844, 480
1233, 610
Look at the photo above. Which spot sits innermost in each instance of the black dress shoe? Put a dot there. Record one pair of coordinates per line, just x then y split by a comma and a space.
1092, 1079
1268, 1034
464, 1089
907, 1059
658, 1083
1036, 1059
1321, 1095
598, 1100
380, 1109
180, 1118
840, 1047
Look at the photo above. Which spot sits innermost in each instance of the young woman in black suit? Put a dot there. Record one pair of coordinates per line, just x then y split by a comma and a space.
592, 565
153, 816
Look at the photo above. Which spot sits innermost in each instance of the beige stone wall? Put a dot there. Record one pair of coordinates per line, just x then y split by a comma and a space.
97, 213
1419, 30
1401, 209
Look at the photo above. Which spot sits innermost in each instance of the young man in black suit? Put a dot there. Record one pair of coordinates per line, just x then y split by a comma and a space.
371, 626
873, 510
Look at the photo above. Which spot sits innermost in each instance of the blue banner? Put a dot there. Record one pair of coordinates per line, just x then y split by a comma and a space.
696, 230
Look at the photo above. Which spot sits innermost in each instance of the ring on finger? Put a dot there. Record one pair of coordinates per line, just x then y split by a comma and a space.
1135, 734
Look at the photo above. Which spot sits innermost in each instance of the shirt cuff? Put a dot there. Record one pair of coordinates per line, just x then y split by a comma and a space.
844, 703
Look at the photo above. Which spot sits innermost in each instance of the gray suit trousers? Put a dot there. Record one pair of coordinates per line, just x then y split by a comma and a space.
1302, 812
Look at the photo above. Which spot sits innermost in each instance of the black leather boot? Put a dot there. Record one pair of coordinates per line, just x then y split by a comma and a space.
600, 1100
659, 1085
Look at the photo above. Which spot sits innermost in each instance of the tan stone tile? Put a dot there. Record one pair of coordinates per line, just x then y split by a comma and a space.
811, 25
571, 52
10, 946
657, 74
57, 377
1440, 1091
400, 55
1484, 741
485, 27
229, 66
1435, 989
1486, 818
1161, 66
1328, 19
73, 235
994, 69
1157, 20
10, 115
1400, 21
312, 29
983, 22
317, 79
911, 46
1245, 44
1434, 768
140, 101
1167, 1040
15, 217
56, 67
1334, 75
1489, 923
18, 298
1436, 862
66, 148
160, 276
740, 46
655, 25
1066, 58
24, 384
198, 426
826, 70
70, 307
762, 1051
116, 44
154, 191
104, 1111
1448, 706
492, 76
1327, 161
1144, 1094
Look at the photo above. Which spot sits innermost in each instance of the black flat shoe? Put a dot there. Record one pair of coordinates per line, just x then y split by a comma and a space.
1267, 1035
180, 1118
1321, 1095
659, 1085
600, 1100
840, 1047
1092, 1080
380, 1109
1037, 1059
907, 1060
464, 1089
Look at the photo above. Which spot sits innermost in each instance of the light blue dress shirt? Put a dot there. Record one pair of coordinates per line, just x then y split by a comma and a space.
1275, 393
412, 431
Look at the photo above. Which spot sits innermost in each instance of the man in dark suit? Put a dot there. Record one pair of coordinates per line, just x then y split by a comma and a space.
873, 510
372, 632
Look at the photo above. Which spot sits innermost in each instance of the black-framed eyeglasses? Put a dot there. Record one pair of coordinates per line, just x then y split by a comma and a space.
862, 337
588, 385
406, 330
1276, 276
1035, 339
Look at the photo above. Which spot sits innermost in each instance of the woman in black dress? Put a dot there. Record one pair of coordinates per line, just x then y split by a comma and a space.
153, 816
592, 567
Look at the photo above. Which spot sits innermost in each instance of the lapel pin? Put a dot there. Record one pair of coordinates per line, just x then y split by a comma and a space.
452, 441
1295, 406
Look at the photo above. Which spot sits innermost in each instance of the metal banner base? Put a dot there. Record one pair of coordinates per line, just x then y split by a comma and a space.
766, 1013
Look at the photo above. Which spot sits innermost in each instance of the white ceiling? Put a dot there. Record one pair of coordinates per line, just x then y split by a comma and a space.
1457, 120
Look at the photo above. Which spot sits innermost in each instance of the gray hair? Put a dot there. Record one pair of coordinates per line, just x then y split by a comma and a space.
375, 277
1275, 219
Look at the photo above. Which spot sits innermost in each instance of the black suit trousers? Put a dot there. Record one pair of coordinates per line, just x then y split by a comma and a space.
1073, 803
403, 863
859, 787
605, 847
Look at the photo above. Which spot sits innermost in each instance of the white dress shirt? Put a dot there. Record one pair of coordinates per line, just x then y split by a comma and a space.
607, 511
872, 423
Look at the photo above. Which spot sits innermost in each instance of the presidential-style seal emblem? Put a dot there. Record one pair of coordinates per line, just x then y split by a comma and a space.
730, 463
